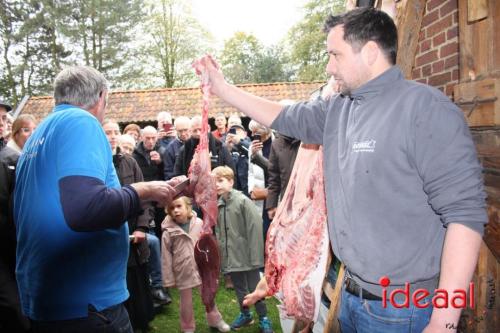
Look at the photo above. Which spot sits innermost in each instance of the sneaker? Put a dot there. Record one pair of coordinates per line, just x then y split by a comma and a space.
265, 325
244, 319
222, 326
160, 297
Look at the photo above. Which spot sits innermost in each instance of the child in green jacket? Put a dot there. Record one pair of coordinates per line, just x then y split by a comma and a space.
239, 233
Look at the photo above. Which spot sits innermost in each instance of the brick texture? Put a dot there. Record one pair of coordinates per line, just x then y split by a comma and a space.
437, 58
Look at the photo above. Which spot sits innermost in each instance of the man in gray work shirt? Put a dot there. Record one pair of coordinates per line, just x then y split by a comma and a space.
404, 189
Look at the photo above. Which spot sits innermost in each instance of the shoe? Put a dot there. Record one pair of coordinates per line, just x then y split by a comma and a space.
265, 325
160, 297
244, 319
228, 283
222, 326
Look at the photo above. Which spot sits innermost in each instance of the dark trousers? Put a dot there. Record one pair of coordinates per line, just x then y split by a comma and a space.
111, 320
245, 283
11, 317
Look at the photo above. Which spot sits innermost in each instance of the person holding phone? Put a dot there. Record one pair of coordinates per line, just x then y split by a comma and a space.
238, 144
165, 128
260, 150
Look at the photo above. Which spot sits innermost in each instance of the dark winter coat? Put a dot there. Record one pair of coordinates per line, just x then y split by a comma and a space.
220, 155
281, 159
128, 172
150, 170
8, 162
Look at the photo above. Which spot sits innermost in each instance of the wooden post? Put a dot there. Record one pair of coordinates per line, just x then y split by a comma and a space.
331, 324
408, 20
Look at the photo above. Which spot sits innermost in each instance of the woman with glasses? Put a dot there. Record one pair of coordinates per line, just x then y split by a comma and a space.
12, 317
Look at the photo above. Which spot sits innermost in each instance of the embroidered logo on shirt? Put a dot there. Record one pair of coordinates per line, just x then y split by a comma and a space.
364, 146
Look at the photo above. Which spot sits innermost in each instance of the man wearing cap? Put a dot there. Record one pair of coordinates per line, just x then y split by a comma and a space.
238, 144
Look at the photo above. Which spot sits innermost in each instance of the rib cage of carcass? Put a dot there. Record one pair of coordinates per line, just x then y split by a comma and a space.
297, 240
205, 196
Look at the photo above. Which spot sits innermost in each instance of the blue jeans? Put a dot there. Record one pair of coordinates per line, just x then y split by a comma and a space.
358, 315
154, 263
111, 320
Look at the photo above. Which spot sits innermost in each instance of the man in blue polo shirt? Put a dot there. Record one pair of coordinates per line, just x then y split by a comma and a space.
70, 214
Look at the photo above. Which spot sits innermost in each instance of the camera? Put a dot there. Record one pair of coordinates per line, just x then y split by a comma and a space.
232, 130
257, 137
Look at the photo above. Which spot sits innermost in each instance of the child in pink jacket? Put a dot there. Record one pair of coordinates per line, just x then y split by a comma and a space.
181, 229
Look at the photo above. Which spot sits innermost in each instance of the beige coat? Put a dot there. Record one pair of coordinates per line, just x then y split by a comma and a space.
178, 266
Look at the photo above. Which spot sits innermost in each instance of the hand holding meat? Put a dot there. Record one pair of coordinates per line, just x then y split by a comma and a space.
211, 72
160, 191
259, 293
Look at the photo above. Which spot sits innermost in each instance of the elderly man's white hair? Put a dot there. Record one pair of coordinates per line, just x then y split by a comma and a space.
80, 86
195, 119
254, 126
149, 130
164, 116
234, 119
182, 119
126, 138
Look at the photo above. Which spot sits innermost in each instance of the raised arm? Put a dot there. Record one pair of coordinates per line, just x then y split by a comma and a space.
260, 109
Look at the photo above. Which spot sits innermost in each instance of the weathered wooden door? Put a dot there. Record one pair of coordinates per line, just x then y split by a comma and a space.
478, 94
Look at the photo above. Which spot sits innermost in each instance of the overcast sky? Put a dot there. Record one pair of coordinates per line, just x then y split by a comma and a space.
268, 20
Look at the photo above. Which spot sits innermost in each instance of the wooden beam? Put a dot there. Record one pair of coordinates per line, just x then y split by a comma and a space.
480, 101
408, 20
477, 10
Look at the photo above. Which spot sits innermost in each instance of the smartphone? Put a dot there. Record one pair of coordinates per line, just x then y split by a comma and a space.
167, 127
257, 137
232, 130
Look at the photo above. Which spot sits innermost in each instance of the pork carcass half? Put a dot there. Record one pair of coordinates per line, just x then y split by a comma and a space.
297, 240
206, 251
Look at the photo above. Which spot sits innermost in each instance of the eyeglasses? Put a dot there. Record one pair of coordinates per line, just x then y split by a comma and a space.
27, 129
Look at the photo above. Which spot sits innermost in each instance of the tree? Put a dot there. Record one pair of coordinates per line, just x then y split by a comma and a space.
32, 53
245, 60
177, 38
307, 40
102, 33
272, 66
239, 57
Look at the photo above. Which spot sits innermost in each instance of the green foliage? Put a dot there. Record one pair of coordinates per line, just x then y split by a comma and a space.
308, 42
101, 31
245, 60
168, 319
143, 44
177, 39
31, 51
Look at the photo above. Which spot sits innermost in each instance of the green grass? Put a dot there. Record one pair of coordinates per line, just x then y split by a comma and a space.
167, 321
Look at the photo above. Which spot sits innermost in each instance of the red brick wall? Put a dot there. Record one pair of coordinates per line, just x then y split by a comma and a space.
436, 61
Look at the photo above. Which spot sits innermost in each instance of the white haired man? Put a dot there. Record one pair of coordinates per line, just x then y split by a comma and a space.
71, 213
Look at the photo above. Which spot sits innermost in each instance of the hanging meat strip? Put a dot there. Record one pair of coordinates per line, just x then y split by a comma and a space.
206, 251
297, 240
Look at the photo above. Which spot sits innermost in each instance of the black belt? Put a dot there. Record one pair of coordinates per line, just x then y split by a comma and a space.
354, 289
